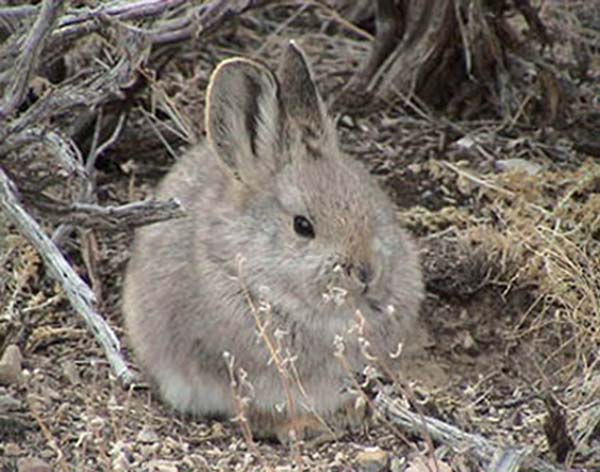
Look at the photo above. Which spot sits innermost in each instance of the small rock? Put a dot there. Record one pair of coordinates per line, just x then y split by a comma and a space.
373, 459
419, 464
147, 436
217, 431
469, 344
415, 168
121, 457
37, 401
12, 450
162, 466
518, 165
149, 450
347, 121
51, 394
11, 365
33, 464
47, 453
120, 464
196, 462
96, 425
464, 147
12, 355
397, 464
71, 372
8, 403
465, 186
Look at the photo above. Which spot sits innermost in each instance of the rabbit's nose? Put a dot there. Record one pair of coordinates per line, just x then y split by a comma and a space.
362, 274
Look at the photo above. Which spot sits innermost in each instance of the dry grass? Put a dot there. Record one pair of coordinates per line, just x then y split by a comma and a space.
512, 262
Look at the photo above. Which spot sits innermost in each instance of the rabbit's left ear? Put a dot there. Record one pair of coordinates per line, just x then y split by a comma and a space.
301, 99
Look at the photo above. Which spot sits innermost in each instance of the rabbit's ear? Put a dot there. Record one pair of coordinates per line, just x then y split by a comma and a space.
300, 95
244, 117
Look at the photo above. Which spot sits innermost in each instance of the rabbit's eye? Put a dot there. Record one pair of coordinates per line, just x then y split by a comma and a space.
303, 227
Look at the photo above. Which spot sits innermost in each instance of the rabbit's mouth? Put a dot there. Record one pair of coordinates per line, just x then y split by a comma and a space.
358, 299
357, 278
348, 284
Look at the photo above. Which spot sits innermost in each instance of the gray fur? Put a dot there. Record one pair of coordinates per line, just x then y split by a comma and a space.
190, 282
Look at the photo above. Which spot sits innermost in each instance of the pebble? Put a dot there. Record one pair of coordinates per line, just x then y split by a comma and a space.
162, 466
33, 464
397, 465
12, 450
217, 431
469, 344
11, 365
373, 459
419, 464
519, 165
71, 372
96, 425
347, 121
121, 457
147, 436
8, 403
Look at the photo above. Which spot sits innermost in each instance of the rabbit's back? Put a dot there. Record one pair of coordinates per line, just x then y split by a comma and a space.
164, 304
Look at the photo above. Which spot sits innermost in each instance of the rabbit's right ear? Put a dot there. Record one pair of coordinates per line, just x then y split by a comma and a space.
244, 117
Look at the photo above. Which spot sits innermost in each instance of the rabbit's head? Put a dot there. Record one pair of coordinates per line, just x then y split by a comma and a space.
313, 228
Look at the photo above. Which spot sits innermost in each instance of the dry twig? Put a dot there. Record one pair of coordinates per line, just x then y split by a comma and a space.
28, 59
479, 447
130, 215
48, 119
79, 294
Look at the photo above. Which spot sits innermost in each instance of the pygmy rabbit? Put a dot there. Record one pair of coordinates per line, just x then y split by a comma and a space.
287, 246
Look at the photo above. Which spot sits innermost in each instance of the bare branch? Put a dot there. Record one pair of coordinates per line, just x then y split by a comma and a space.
107, 87
12, 18
202, 20
479, 447
78, 293
127, 216
196, 21
508, 460
61, 105
65, 152
82, 17
88, 94
28, 58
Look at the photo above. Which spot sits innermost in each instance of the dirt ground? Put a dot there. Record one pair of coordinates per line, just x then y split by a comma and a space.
507, 222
